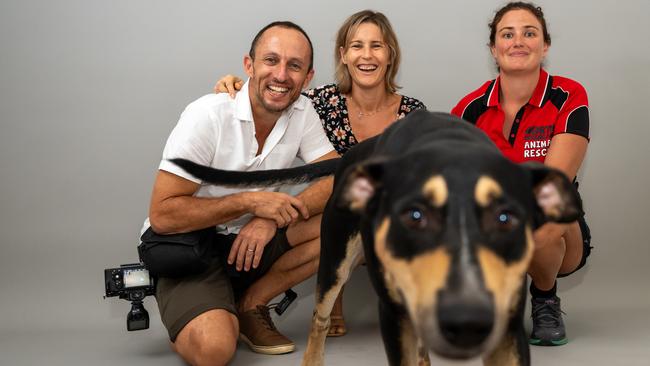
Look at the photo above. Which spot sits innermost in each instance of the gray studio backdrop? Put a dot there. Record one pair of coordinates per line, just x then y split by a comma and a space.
91, 89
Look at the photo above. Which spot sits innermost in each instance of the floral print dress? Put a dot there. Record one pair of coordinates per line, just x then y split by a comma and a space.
333, 112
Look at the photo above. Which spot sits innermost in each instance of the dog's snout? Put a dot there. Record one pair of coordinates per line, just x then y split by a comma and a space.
465, 325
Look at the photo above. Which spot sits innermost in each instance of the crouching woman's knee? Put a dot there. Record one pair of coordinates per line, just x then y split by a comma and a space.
209, 340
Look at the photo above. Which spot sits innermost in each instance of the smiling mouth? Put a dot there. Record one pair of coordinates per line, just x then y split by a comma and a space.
277, 89
367, 68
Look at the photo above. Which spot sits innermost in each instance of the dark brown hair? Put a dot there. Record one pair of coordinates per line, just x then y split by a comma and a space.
283, 24
519, 5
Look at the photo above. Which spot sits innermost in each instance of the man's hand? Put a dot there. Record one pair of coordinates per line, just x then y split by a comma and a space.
248, 247
279, 207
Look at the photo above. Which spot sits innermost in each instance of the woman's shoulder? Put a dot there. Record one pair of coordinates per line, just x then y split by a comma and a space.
408, 105
470, 97
324, 99
479, 91
322, 92
567, 84
412, 102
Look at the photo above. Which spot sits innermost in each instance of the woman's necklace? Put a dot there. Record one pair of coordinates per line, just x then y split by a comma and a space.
361, 114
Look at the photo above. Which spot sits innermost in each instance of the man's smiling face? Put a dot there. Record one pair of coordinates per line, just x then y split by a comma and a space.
279, 69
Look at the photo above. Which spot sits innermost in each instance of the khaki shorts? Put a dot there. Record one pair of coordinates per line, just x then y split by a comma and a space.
183, 299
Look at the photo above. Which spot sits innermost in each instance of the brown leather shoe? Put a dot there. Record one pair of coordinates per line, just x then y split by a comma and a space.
257, 330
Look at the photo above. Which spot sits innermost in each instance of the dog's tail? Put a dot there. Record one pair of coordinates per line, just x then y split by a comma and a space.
259, 178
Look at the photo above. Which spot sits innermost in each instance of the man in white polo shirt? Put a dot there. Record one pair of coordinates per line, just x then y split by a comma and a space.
273, 237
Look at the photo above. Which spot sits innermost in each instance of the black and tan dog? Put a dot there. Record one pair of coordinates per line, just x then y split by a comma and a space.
445, 223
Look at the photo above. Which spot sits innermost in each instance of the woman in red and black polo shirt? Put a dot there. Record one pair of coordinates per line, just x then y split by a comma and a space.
531, 115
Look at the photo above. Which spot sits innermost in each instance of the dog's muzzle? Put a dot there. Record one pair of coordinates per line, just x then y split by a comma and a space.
463, 326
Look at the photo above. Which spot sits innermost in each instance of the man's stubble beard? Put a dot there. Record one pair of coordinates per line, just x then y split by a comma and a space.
260, 98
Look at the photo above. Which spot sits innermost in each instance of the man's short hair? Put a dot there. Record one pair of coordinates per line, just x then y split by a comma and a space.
283, 24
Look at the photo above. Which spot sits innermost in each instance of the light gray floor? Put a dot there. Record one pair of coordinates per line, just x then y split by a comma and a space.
611, 328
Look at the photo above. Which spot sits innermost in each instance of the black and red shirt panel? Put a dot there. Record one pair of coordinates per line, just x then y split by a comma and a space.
558, 105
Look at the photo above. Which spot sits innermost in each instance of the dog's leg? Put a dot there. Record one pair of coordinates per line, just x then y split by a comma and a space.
333, 273
514, 349
400, 341
423, 354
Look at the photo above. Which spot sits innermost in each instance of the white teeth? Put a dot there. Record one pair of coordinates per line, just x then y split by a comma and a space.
278, 89
367, 67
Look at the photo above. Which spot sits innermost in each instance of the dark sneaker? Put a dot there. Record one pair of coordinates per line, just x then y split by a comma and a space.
257, 330
548, 327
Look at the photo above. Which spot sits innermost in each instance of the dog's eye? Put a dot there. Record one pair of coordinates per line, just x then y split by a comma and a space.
506, 220
414, 218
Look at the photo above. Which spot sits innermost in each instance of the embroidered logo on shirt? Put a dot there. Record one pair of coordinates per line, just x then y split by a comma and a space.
537, 140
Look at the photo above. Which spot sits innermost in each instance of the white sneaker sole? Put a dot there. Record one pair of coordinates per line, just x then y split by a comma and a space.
268, 350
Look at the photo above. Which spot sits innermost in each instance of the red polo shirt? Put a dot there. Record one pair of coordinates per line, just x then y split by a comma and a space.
558, 105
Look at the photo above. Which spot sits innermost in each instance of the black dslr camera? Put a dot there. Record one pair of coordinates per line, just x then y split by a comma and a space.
131, 282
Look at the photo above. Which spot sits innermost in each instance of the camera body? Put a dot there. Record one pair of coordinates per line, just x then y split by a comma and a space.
131, 282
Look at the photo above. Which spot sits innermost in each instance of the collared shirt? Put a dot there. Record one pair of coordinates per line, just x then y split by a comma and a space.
218, 131
558, 105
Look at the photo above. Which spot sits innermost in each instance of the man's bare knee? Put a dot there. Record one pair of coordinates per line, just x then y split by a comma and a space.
208, 351
210, 339
304, 231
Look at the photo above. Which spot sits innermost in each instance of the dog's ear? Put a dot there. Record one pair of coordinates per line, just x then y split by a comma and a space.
360, 184
556, 196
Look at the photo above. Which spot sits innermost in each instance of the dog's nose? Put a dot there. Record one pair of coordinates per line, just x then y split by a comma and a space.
465, 325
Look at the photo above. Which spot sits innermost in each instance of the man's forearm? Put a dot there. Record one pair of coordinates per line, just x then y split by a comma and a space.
186, 213
316, 195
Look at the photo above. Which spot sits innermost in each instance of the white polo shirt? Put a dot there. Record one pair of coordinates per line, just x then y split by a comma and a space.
218, 131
